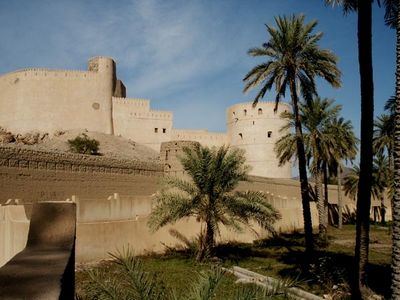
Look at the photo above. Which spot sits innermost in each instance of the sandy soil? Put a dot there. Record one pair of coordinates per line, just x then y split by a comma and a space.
110, 145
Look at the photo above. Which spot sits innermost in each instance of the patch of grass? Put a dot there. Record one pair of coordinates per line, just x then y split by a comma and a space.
281, 257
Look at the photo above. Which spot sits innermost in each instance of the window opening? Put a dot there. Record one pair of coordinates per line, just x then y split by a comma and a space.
269, 134
260, 111
155, 130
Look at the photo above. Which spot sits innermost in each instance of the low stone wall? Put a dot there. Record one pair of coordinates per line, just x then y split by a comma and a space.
14, 228
55, 161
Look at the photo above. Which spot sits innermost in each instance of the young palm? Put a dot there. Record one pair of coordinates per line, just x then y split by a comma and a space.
294, 60
210, 197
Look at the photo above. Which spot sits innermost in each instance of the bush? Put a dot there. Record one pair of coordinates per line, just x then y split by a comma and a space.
84, 145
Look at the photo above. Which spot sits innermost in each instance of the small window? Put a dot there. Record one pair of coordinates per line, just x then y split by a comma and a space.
164, 130
241, 136
166, 155
245, 112
155, 130
233, 114
260, 111
269, 134
253, 123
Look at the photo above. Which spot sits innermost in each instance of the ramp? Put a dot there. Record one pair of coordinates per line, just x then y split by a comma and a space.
45, 268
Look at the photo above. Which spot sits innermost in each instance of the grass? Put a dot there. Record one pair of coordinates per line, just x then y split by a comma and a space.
280, 257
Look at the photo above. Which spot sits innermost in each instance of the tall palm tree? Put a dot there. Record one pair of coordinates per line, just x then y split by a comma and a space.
345, 148
294, 60
384, 136
210, 197
380, 180
364, 33
316, 118
393, 19
327, 139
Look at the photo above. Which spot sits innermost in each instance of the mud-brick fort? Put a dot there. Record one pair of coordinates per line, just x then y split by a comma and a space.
51, 100
113, 194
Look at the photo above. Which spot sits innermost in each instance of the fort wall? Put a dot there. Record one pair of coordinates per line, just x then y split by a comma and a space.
203, 136
256, 129
133, 119
49, 100
31, 175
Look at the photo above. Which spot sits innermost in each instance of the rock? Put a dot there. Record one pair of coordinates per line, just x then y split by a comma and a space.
31, 138
6, 137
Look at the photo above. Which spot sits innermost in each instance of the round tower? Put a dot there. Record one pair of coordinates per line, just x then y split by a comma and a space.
106, 72
256, 129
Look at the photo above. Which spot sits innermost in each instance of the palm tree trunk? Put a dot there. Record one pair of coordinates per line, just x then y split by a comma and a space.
326, 198
320, 204
367, 115
305, 196
383, 210
207, 242
396, 200
340, 199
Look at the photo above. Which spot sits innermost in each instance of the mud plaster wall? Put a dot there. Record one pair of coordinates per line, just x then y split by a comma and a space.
37, 175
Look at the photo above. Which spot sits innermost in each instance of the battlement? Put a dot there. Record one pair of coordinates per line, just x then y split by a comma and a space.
44, 72
139, 102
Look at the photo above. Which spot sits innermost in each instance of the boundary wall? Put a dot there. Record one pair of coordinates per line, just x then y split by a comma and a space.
70, 162
14, 227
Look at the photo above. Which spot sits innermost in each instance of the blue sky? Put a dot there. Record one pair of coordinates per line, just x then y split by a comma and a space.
188, 56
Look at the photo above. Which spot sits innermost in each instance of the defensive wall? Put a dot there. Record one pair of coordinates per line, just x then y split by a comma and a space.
31, 175
256, 130
114, 199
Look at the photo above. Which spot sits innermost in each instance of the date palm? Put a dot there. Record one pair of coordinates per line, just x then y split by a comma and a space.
364, 33
294, 60
384, 136
344, 149
380, 181
210, 197
327, 139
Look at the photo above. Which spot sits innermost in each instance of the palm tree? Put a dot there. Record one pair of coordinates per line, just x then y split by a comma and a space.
384, 136
393, 19
294, 60
344, 148
210, 197
364, 33
327, 139
316, 116
380, 181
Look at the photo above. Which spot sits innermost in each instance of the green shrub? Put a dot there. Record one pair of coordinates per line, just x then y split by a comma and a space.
84, 145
